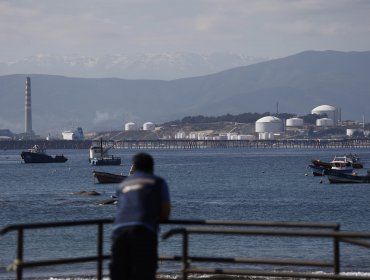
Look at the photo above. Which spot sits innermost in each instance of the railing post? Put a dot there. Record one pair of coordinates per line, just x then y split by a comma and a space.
19, 260
99, 268
336, 253
185, 255
336, 256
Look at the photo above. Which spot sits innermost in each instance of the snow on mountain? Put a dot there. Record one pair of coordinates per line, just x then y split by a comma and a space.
165, 66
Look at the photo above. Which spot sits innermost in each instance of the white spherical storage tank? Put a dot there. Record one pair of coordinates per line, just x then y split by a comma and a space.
324, 122
296, 122
269, 124
130, 126
351, 131
148, 126
330, 111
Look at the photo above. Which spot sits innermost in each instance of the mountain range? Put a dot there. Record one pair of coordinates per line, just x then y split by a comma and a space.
297, 83
162, 66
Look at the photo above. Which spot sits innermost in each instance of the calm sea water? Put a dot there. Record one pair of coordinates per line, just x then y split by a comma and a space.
210, 184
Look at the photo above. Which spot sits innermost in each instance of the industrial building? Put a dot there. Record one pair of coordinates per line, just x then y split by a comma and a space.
73, 135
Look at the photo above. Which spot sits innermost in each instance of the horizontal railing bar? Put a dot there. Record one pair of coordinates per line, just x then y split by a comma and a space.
178, 258
254, 223
362, 243
173, 221
274, 273
262, 261
60, 261
198, 230
170, 258
54, 224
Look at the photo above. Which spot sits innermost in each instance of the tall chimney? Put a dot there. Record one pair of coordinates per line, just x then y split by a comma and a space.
28, 113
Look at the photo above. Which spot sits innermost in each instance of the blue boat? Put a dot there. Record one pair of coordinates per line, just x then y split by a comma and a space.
335, 176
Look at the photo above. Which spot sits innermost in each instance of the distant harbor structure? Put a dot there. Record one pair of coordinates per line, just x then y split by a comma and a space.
28, 109
73, 135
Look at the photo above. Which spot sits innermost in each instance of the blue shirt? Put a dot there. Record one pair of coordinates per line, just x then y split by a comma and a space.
139, 199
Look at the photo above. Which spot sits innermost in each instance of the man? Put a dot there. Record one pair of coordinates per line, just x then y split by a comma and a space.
143, 200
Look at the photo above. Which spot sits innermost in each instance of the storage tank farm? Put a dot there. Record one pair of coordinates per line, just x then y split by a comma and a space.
267, 126
331, 112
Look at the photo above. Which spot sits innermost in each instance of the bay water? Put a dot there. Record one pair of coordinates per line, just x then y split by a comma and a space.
207, 184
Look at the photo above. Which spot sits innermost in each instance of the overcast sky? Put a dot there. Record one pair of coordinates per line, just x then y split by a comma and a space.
257, 28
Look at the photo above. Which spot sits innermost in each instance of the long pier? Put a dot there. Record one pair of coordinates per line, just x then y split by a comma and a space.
189, 144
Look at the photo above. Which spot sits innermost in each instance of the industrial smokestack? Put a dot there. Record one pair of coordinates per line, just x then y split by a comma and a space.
28, 112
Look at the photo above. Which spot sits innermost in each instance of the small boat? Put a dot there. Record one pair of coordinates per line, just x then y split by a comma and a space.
340, 177
319, 166
99, 156
38, 155
108, 178
344, 163
341, 164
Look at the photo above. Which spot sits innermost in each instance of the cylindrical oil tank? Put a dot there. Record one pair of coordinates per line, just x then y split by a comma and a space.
148, 126
324, 122
269, 124
294, 122
330, 111
130, 126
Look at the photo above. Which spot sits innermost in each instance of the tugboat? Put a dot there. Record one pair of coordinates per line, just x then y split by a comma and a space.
38, 155
99, 156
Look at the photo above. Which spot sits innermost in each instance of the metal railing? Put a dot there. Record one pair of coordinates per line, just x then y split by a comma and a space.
205, 227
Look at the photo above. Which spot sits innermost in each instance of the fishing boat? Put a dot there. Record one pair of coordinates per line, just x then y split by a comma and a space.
99, 156
339, 177
38, 155
108, 178
341, 163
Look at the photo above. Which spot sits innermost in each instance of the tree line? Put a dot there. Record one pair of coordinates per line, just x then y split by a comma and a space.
242, 118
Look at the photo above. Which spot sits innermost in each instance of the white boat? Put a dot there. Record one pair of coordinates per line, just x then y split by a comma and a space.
99, 156
342, 164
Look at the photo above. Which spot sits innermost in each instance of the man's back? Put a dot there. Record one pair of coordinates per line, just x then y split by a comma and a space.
139, 200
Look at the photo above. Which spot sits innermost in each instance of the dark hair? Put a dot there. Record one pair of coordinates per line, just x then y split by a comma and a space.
143, 162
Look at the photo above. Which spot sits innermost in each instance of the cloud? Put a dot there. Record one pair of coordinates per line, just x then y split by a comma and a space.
95, 27
102, 117
12, 126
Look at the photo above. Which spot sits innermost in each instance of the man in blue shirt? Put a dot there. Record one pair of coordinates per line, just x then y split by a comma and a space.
143, 199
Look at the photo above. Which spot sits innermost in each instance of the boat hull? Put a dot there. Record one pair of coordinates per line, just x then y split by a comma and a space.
317, 170
105, 161
30, 157
345, 178
108, 178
